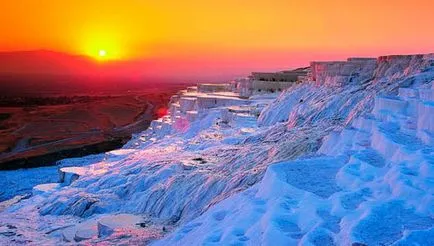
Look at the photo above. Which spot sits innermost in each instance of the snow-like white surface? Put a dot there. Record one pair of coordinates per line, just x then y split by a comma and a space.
22, 181
319, 166
370, 183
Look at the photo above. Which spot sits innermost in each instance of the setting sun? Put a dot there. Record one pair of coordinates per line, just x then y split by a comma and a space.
102, 53
102, 43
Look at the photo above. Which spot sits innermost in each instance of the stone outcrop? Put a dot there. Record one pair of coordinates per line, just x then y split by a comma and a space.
262, 83
282, 76
401, 65
67, 175
360, 70
208, 88
338, 73
193, 104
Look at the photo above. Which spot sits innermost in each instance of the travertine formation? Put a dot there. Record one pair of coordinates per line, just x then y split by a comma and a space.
195, 102
262, 83
369, 183
338, 73
344, 156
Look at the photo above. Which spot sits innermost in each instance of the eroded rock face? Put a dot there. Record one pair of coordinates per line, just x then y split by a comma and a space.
344, 101
339, 73
402, 65
78, 205
359, 70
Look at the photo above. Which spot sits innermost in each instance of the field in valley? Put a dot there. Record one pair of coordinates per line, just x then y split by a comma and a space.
37, 131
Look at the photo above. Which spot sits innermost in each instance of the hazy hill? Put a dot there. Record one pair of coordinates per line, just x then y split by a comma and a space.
45, 62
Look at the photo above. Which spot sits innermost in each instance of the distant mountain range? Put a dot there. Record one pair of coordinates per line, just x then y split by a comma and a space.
42, 71
48, 63
190, 68
45, 62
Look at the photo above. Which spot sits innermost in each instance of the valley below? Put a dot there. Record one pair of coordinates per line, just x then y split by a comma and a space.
39, 130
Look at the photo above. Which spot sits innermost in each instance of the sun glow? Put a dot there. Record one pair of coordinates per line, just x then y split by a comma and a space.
102, 45
102, 53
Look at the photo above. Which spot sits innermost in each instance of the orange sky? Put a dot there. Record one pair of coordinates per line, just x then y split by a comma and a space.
252, 34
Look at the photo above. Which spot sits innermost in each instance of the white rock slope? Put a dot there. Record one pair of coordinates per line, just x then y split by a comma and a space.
371, 184
341, 158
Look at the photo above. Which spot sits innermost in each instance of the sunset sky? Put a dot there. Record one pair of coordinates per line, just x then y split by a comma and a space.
230, 35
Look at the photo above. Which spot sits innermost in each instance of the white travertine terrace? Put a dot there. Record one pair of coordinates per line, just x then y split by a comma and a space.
343, 156
338, 73
264, 83
192, 104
